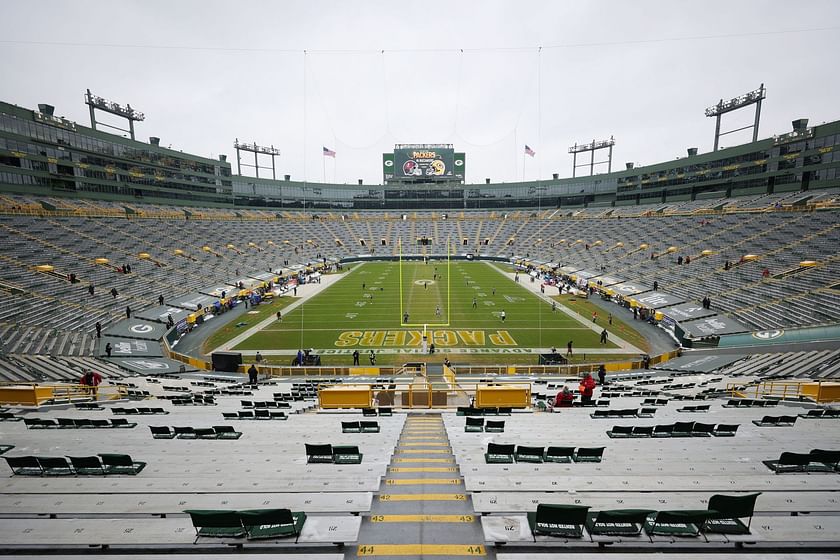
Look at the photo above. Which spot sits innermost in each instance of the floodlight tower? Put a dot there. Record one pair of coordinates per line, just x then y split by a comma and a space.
257, 150
95, 102
592, 147
752, 98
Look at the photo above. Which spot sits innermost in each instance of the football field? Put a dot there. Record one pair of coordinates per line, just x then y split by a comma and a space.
457, 306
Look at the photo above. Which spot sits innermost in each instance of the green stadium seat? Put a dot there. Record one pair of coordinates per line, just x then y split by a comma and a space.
558, 520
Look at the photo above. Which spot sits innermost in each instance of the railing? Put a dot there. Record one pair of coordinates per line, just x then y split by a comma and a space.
425, 395
817, 391
35, 394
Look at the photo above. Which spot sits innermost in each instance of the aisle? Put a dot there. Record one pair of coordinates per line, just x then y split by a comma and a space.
422, 509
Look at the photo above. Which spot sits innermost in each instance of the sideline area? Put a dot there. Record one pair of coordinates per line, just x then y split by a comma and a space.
305, 292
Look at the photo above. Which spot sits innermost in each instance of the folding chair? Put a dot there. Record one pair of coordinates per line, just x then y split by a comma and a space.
117, 463
216, 523
555, 454
272, 523
727, 511
494, 426
702, 430
369, 427
767, 421
161, 432
55, 466
499, 453
226, 432
682, 429
677, 523
25, 466
184, 432
528, 454
558, 520
346, 455
351, 427
643, 431
823, 460
122, 423
618, 522
589, 454
474, 425
725, 430
663, 430
620, 432
790, 462
205, 433
87, 465
319, 453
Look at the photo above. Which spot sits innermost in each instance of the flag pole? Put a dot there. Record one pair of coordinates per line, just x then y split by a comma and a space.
323, 167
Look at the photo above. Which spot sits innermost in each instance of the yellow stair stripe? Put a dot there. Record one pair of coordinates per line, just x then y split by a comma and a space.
422, 518
422, 460
415, 432
422, 498
420, 444
401, 451
414, 481
420, 550
422, 469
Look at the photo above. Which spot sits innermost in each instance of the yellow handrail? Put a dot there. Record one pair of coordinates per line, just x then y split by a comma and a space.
817, 391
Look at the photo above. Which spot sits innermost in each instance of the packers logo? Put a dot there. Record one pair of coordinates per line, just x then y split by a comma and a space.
389, 163
459, 162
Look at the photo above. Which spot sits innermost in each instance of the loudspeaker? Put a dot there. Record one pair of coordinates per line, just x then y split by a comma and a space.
226, 361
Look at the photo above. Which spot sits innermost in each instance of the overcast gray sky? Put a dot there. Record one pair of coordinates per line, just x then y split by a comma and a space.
470, 73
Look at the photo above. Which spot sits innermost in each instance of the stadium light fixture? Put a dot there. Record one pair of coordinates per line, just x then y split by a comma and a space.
96, 102
592, 147
256, 150
754, 97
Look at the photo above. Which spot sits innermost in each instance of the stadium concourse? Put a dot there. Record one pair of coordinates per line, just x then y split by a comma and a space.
167, 457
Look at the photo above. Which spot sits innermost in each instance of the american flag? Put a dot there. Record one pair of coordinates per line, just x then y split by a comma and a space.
529, 151
328, 152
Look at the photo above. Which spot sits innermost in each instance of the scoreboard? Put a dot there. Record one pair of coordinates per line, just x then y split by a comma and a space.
423, 163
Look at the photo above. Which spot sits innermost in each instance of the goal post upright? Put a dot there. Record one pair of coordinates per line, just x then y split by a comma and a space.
399, 265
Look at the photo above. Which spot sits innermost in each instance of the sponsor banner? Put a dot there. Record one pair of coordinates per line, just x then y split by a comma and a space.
151, 366
195, 301
136, 328
127, 348
607, 280
161, 313
630, 288
655, 300
687, 311
217, 291
712, 326
701, 364
388, 166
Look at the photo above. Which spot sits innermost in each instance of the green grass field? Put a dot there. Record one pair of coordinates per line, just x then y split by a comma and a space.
367, 310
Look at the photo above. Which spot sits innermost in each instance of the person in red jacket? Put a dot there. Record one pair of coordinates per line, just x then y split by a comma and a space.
564, 398
587, 387
91, 379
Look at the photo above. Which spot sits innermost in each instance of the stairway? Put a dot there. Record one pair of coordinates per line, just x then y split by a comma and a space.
422, 509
